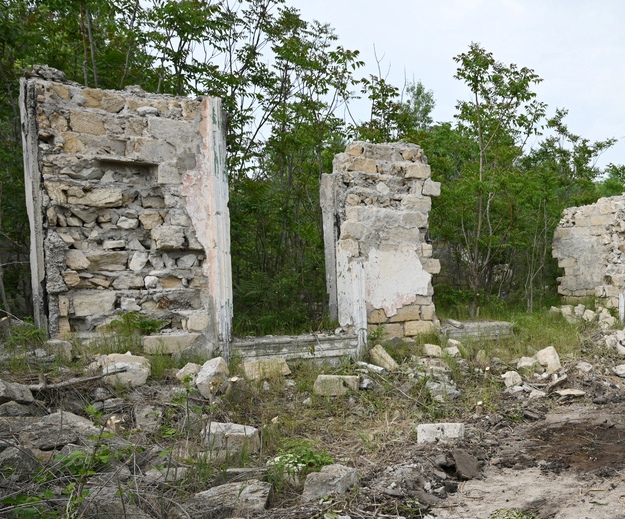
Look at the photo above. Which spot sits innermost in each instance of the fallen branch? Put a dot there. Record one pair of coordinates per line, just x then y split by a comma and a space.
43, 386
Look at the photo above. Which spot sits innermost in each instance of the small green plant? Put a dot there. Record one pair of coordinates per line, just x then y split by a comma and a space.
132, 323
295, 461
26, 336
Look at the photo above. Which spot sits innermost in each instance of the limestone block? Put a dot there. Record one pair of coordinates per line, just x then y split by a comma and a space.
380, 357
108, 260
231, 437
99, 197
428, 313
188, 372
75, 260
138, 369
526, 362
168, 174
512, 378
335, 385
431, 188
235, 500
86, 215
353, 230
65, 329
198, 322
72, 144
150, 219
429, 433
127, 281
452, 351
431, 265
86, 122
151, 282
60, 349
92, 97
417, 171
94, 303
169, 343
265, 368
331, 479
391, 331
63, 306
138, 261
354, 149
549, 357
417, 202
213, 373
127, 223
376, 316
14, 392
412, 328
168, 237
363, 165
113, 244
112, 102
129, 304
406, 313
432, 350
187, 261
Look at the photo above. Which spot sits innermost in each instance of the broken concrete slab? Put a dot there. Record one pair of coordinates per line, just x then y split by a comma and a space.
331, 479
335, 385
429, 433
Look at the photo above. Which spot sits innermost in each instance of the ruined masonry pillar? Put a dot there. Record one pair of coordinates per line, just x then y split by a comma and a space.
127, 197
375, 218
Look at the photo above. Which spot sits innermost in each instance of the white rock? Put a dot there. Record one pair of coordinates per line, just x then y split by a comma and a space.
535, 393
432, 432
138, 369
620, 370
512, 378
526, 362
190, 371
432, 350
380, 357
331, 479
138, 261
335, 385
549, 357
589, 316
213, 373
452, 351
584, 367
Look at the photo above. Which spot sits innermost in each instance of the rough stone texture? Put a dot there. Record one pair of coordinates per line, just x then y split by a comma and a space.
231, 438
432, 432
589, 244
169, 343
375, 215
335, 385
137, 368
549, 358
127, 199
212, 373
242, 498
267, 368
332, 479
11, 391
380, 357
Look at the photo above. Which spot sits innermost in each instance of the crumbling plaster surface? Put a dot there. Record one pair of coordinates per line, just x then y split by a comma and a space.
379, 264
128, 202
589, 244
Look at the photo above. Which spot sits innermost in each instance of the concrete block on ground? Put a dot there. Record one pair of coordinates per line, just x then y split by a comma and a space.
265, 368
335, 385
332, 479
433, 432
380, 357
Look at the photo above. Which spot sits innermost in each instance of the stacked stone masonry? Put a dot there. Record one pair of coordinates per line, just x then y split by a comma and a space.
126, 212
378, 260
589, 244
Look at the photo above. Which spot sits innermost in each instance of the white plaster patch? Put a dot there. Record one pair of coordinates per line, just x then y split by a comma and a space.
393, 278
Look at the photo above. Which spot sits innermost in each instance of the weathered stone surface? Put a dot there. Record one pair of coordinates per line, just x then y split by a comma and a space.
168, 237
94, 303
380, 357
188, 372
148, 418
512, 378
231, 437
467, 465
428, 433
109, 260
242, 498
169, 343
138, 261
11, 391
432, 350
263, 369
213, 373
413, 328
137, 368
335, 385
331, 479
102, 197
549, 358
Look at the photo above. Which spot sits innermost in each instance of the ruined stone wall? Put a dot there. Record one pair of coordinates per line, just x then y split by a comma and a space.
378, 261
128, 206
589, 244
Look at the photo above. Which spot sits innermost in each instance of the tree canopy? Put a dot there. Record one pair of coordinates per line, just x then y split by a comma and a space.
285, 83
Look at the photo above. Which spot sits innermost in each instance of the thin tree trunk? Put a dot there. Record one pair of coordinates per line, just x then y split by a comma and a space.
92, 47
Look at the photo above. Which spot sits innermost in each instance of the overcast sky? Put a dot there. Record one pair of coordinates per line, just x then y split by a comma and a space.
576, 46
